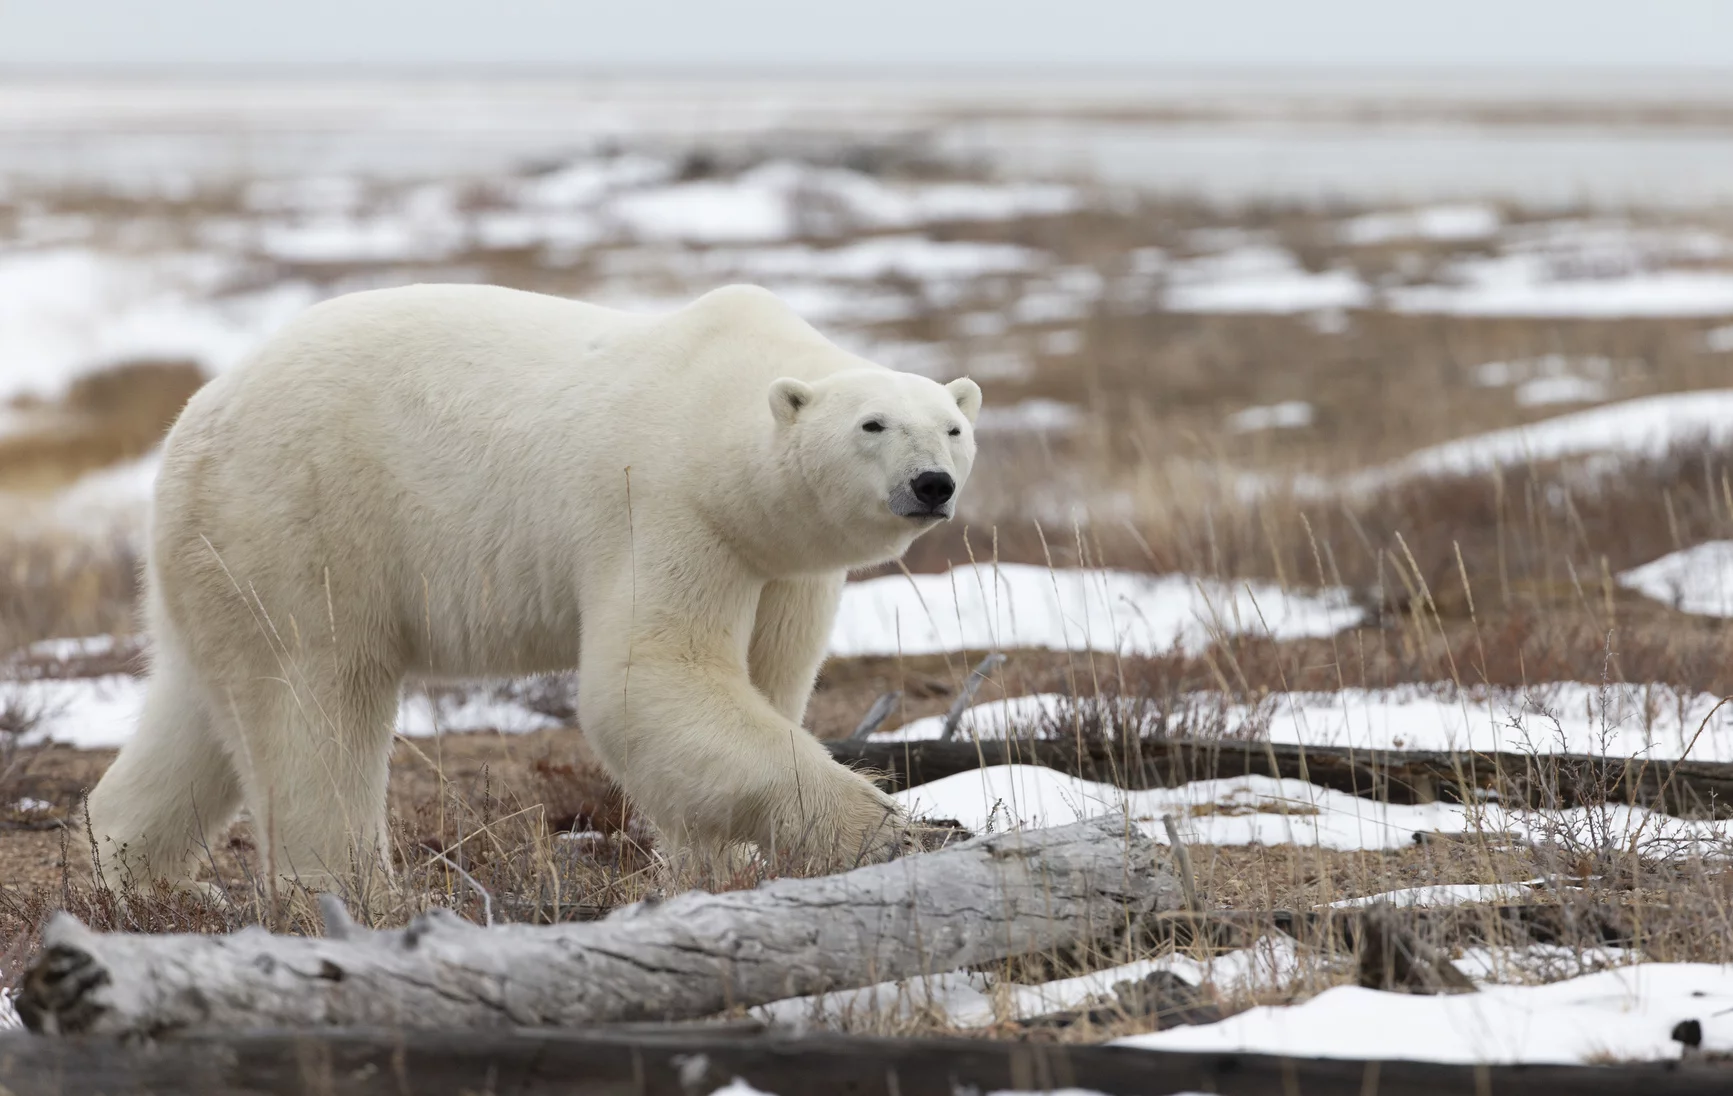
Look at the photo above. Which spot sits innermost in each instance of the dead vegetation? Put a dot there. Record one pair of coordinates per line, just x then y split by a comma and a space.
105, 417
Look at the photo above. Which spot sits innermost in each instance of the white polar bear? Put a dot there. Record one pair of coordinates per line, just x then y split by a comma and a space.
452, 480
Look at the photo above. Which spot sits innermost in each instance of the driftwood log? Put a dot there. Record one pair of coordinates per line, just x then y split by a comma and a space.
693, 955
606, 1062
1686, 789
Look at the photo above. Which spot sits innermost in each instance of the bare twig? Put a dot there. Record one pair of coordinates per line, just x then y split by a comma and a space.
1182, 860
486, 898
877, 714
966, 695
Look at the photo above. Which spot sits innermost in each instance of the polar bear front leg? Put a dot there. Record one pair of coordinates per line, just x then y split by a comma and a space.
790, 635
668, 705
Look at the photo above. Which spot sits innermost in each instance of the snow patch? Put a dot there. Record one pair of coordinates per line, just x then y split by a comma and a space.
1036, 416
1446, 894
69, 311
1019, 605
1259, 279
1443, 222
738, 1087
1639, 428
586, 182
1501, 374
72, 647
1693, 580
423, 715
780, 200
1547, 390
1627, 1014
102, 712
1261, 810
1288, 415
913, 257
1529, 285
1647, 720
1622, 720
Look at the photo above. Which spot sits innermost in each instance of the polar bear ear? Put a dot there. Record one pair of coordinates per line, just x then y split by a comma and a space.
787, 397
968, 396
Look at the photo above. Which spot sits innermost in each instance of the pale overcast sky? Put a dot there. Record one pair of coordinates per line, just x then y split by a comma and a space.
1008, 35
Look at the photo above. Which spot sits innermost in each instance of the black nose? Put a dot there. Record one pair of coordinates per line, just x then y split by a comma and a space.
934, 488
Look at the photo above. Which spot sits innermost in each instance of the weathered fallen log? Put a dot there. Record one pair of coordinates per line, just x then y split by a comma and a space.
685, 1062
692, 955
1683, 788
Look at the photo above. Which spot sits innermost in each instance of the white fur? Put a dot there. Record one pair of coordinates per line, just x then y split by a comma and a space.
465, 480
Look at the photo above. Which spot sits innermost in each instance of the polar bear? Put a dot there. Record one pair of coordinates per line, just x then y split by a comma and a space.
451, 480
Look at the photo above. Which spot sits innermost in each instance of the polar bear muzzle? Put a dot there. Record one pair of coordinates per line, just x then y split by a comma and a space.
925, 497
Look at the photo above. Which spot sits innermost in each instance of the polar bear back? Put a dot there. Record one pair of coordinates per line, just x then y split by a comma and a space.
482, 362
473, 457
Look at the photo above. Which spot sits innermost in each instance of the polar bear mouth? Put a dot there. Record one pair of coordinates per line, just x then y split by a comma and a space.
905, 505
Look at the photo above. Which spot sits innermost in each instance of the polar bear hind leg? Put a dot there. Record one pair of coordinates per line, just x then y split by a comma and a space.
173, 789
315, 762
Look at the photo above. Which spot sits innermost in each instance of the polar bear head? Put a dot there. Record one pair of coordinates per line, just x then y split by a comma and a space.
884, 453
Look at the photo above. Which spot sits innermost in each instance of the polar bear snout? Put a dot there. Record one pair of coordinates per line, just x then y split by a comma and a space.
926, 495
934, 489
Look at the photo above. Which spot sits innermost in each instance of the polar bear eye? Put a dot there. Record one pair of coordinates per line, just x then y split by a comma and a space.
955, 431
872, 426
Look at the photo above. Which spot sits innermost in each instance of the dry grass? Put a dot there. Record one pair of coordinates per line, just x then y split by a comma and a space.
105, 417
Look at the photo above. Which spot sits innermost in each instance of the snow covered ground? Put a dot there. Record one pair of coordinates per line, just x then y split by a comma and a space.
101, 713
1608, 435
1645, 427
1651, 721
67, 310
1287, 415
1446, 222
1519, 285
1262, 810
1259, 278
1448, 894
1624, 1014
1007, 606
1697, 580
